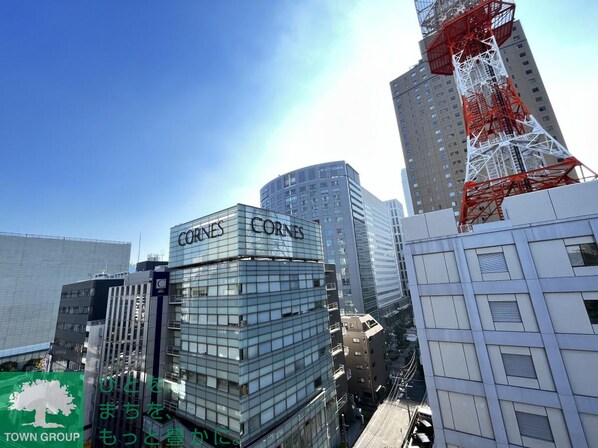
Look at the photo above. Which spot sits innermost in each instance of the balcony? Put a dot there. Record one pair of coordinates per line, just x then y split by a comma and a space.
341, 401
333, 306
337, 349
339, 372
335, 327
349, 374
172, 377
174, 325
172, 350
171, 406
346, 351
175, 300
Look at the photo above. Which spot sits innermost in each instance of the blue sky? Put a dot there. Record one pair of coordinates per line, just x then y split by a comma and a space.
120, 118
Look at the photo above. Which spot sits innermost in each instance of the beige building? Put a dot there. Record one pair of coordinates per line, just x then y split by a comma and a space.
431, 125
507, 321
366, 357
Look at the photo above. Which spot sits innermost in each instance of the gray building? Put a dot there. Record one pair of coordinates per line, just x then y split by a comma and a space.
431, 124
364, 338
507, 321
34, 268
249, 349
356, 232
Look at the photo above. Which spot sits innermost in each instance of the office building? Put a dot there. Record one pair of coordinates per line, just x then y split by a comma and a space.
133, 356
396, 213
430, 120
507, 321
364, 337
79, 330
356, 232
34, 269
406, 189
80, 303
249, 351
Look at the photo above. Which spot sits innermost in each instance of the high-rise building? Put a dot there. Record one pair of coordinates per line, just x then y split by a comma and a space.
432, 128
507, 321
34, 269
357, 234
406, 189
249, 348
79, 335
396, 213
80, 303
133, 357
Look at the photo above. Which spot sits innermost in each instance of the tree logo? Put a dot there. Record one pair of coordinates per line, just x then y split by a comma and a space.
41, 396
41, 409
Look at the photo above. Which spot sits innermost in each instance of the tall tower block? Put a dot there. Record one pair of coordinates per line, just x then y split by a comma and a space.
508, 151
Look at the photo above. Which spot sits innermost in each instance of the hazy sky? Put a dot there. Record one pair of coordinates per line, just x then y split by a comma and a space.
120, 118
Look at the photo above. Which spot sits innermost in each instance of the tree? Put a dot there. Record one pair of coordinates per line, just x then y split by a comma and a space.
9, 366
42, 396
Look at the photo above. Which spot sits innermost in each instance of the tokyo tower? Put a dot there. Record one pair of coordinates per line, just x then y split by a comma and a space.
508, 151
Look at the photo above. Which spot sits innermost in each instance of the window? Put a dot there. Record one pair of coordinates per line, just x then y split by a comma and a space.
534, 426
357, 353
505, 311
360, 380
583, 254
592, 309
492, 263
519, 365
356, 340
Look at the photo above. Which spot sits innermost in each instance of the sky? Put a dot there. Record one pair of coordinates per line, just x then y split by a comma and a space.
120, 119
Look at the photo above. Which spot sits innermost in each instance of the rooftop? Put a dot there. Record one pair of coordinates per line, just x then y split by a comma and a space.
538, 207
65, 238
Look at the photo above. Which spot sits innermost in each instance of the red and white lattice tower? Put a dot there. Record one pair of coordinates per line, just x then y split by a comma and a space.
508, 152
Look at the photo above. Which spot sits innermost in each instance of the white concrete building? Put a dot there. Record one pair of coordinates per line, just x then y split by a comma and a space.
507, 319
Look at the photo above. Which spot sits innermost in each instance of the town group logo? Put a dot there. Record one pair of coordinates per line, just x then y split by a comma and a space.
41, 409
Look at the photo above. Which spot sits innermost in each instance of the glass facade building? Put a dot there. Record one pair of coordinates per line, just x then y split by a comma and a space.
357, 233
253, 350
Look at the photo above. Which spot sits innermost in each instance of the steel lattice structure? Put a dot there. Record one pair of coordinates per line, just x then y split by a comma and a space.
508, 151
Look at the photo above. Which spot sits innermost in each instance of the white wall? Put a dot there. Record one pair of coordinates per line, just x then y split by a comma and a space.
440, 267
465, 413
445, 312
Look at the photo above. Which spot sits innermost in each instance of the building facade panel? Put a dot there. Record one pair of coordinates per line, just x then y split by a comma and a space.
357, 232
34, 269
534, 337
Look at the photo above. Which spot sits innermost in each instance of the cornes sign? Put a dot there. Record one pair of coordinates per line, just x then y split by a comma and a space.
191, 236
269, 227
258, 225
